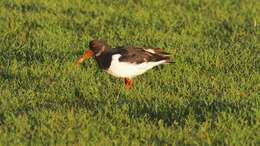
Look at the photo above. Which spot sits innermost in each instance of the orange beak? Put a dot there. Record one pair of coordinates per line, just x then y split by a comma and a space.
86, 54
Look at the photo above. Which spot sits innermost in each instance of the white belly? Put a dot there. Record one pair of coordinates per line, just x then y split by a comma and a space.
129, 70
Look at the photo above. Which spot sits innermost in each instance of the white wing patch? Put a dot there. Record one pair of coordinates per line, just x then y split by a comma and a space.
129, 70
150, 50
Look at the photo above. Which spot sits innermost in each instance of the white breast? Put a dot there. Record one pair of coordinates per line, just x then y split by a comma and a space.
129, 70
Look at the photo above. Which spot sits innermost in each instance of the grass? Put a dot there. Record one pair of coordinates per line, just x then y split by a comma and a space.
210, 96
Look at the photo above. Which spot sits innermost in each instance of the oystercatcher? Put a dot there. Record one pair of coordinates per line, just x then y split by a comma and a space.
125, 62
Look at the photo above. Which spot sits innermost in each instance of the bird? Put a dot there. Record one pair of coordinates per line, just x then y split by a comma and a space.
125, 62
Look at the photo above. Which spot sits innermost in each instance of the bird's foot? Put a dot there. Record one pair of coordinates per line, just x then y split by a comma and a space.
128, 83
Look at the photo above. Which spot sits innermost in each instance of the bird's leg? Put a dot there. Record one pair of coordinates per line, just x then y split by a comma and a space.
128, 83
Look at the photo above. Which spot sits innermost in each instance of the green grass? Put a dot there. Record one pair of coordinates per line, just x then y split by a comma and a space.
210, 96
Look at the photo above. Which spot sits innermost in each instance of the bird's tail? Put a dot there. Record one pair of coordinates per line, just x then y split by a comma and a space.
159, 51
164, 56
160, 55
169, 62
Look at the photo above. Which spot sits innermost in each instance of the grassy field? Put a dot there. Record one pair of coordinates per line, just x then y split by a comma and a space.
210, 96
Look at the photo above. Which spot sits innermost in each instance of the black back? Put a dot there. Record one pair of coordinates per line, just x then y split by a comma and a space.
138, 55
130, 54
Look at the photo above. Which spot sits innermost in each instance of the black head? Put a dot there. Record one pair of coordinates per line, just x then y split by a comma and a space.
98, 46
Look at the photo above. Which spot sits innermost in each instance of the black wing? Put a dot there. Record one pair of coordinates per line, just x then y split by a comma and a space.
139, 55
